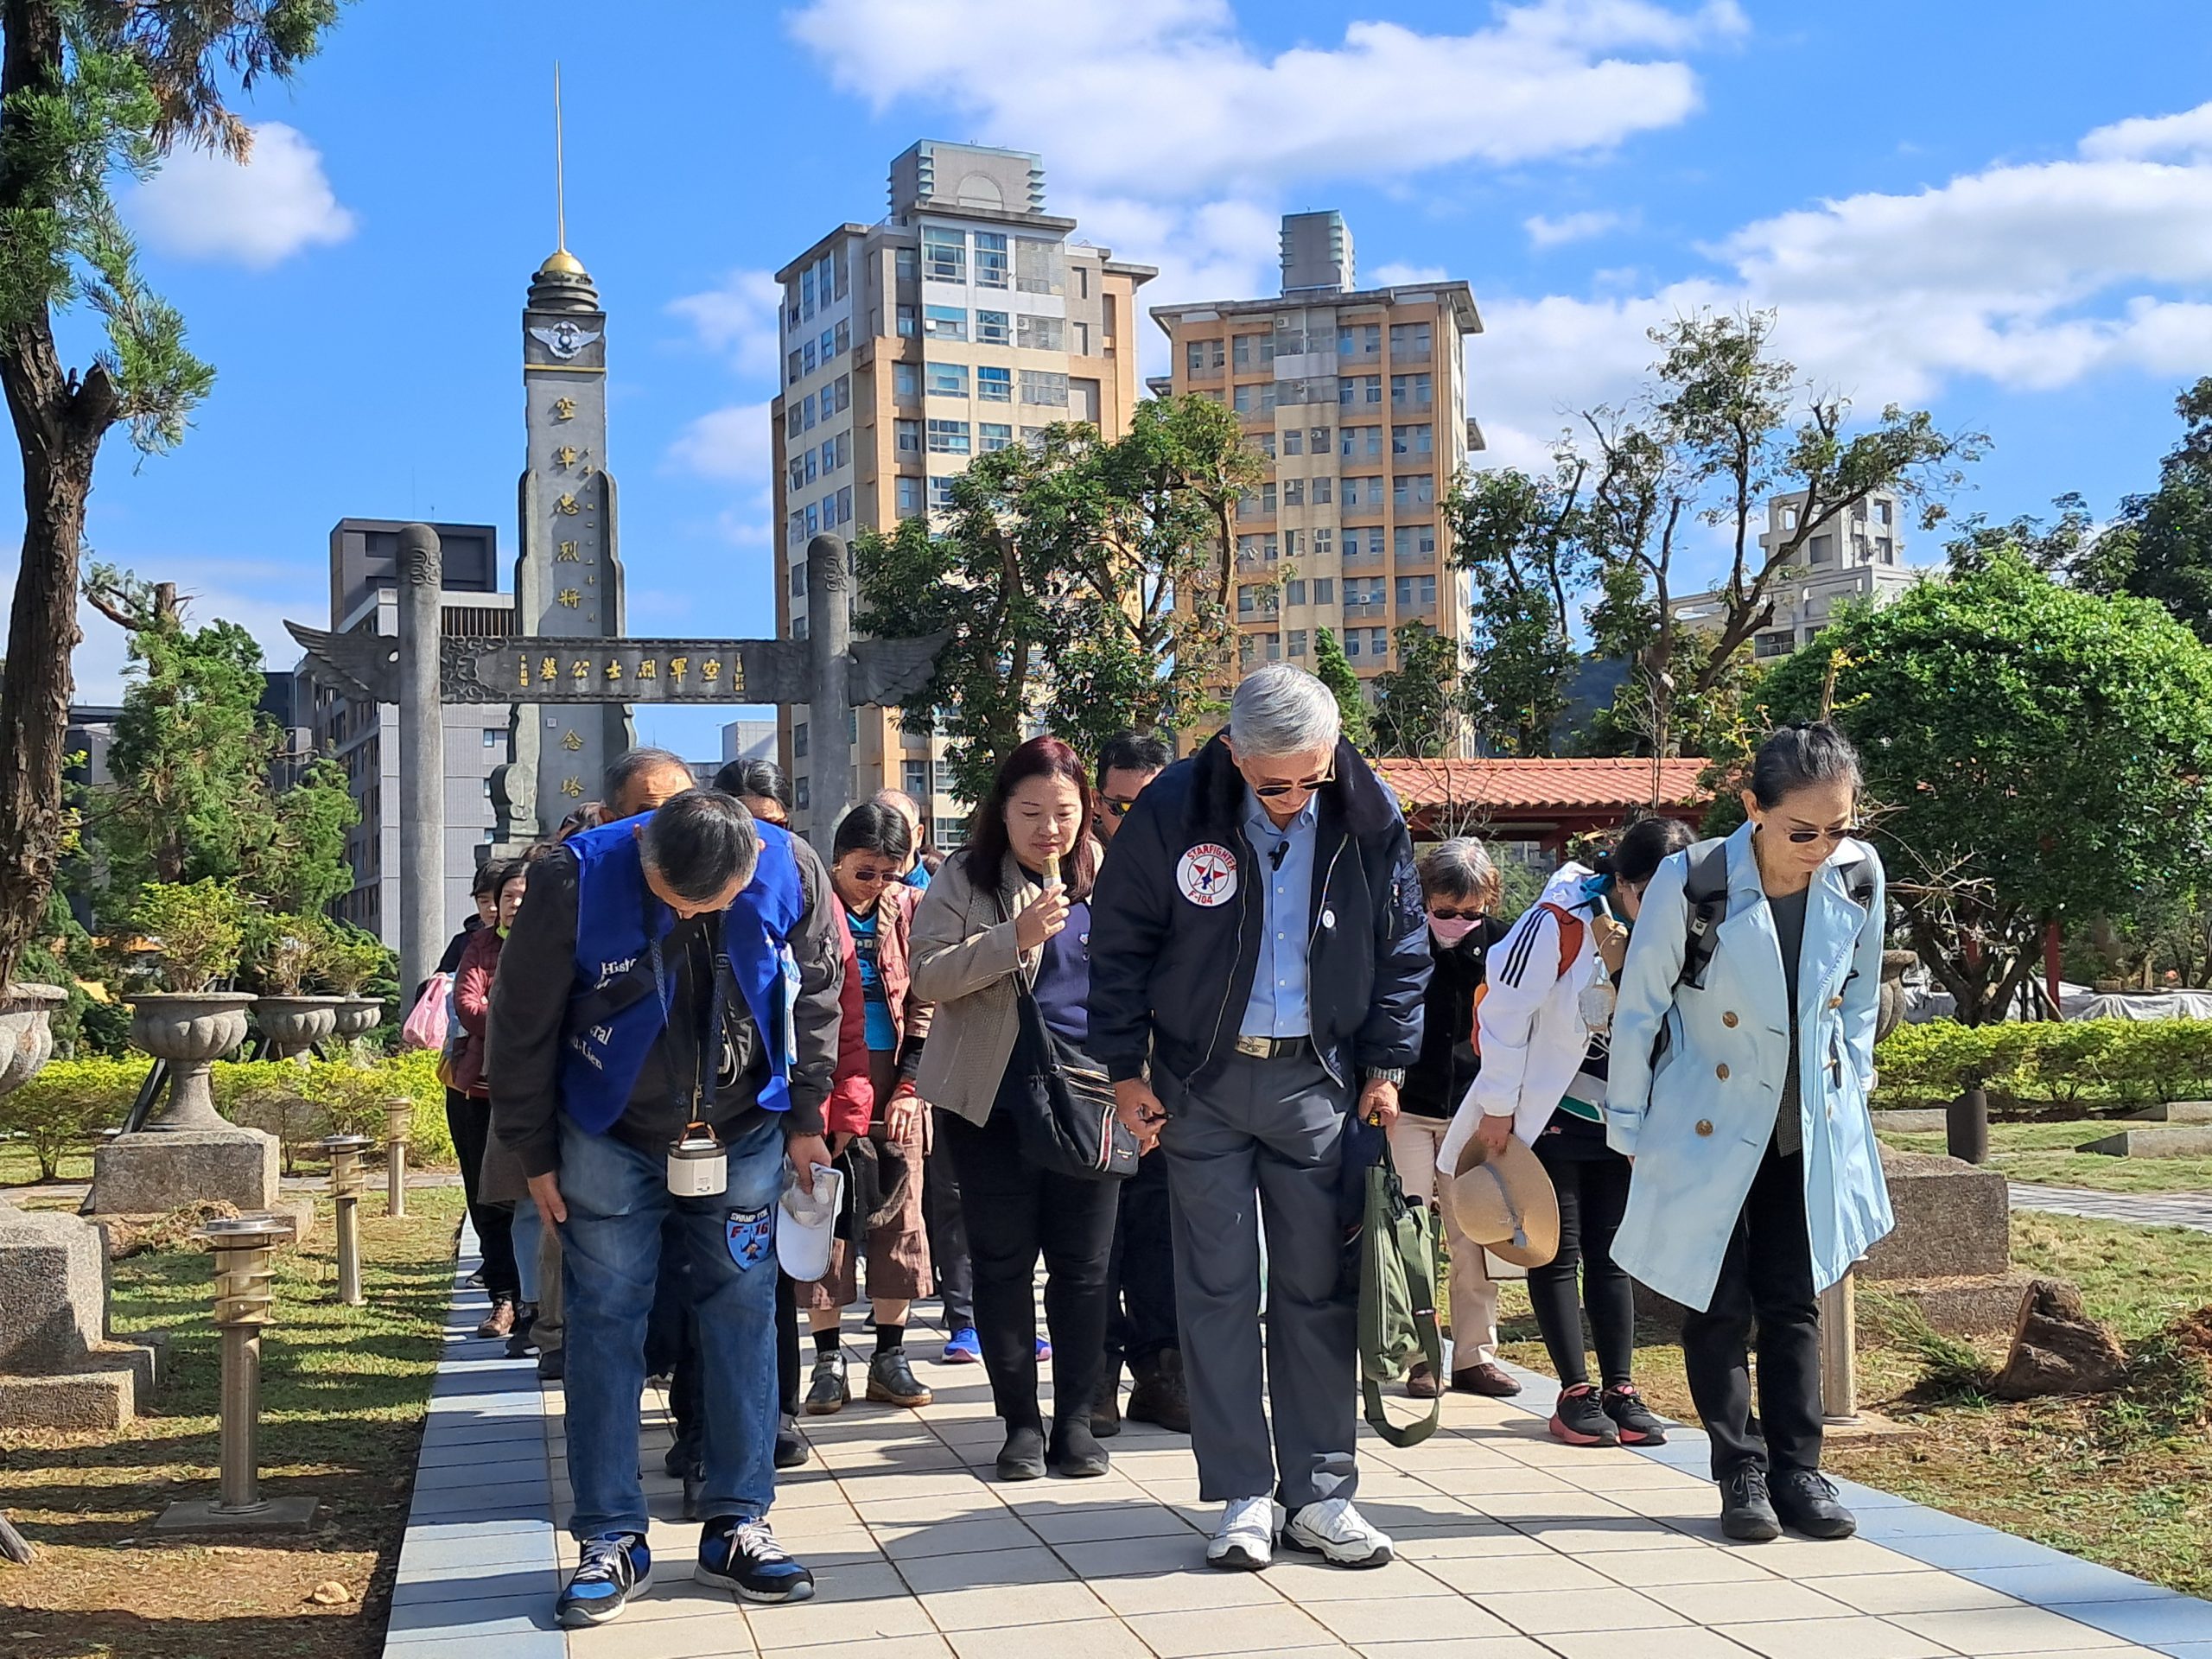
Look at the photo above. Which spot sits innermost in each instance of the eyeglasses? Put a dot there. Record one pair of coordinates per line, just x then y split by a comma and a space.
1807, 837
1444, 915
869, 878
1303, 786
1119, 805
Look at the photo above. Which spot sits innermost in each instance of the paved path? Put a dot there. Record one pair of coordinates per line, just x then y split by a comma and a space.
2143, 1209
1512, 1547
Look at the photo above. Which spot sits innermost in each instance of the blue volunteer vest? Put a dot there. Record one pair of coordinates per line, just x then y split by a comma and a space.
600, 1064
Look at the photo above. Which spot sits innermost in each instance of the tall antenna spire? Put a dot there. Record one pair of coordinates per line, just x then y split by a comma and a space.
560, 186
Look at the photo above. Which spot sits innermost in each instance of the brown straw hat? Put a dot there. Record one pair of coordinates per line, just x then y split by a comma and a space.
1507, 1204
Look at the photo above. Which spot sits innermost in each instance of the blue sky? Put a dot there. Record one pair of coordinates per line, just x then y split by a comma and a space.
1994, 211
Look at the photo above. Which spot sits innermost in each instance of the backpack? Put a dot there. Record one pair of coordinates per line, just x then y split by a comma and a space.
1397, 1299
1705, 889
1571, 928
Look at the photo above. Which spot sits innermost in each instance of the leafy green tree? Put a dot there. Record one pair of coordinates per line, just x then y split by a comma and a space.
1414, 702
92, 89
1333, 669
1083, 585
2161, 549
1520, 536
301, 865
2034, 755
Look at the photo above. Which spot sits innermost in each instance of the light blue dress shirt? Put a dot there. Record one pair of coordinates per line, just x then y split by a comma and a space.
1279, 1008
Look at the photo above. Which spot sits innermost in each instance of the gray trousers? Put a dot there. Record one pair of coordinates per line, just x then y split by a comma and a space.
1260, 1146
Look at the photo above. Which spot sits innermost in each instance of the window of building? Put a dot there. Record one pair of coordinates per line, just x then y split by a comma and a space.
914, 779
494, 735
806, 294
1359, 339
1201, 356
944, 254
1040, 334
806, 465
800, 735
1324, 541
1884, 512
798, 580
1413, 440
941, 492
829, 344
944, 322
802, 793
990, 259
948, 437
1411, 392
1414, 490
907, 380
1298, 642
1317, 441
1779, 643
907, 436
798, 473
1043, 388
1789, 518
806, 359
993, 329
796, 532
1409, 339
1293, 492
1082, 338
845, 337
1360, 442
1295, 592
806, 413
1265, 443
843, 386
792, 369
1255, 397
813, 519
1823, 549
1034, 437
909, 497
845, 505
910, 322
947, 379
1885, 550
1250, 352
1414, 540
991, 435
1325, 590
905, 264
994, 385
1378, 643
1039, 267
950, 833
1083, 282
1353, 638
1416, 592
1358, 390
1293, 441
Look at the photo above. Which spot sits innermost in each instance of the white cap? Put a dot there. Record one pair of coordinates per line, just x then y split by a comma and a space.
806, 1223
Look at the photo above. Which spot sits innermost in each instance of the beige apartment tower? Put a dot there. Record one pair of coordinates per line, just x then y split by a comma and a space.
1357, 397
966, 321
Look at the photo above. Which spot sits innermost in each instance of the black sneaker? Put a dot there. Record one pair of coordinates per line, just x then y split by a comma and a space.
826, 1393
791, 1451
1632, 1418
615, 1568
1579, 1419
891, 1381
552, 1364
1022, 1457
1077, 1454
744, 1556
1746, 1511
519, 1346
1805, 1499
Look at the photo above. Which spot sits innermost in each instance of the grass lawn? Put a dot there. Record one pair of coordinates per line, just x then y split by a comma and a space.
2124, 1479
343, 1391
2043, 1152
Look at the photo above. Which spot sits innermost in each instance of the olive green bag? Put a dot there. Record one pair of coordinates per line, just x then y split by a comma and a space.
1397, 1299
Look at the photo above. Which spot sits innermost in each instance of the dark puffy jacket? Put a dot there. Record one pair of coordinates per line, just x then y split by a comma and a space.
1170, 977
1438, 1081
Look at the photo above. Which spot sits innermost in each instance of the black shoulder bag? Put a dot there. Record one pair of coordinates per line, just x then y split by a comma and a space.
1063, 1103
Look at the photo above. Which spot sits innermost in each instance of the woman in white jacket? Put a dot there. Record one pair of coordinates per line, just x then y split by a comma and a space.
1541, 1029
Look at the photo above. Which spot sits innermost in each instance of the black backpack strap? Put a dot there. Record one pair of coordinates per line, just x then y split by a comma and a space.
1705, 892
596, 1007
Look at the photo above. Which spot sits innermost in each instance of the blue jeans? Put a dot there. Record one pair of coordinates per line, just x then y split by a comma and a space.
617, 1198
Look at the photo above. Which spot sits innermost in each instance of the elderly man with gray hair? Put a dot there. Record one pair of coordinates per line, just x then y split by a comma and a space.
1258, 959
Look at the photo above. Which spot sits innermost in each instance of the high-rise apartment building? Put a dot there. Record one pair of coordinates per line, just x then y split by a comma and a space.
1358, 397
1858, 555
966, 321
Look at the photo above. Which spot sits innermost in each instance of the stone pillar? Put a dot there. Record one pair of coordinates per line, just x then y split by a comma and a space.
830, 622
422, 761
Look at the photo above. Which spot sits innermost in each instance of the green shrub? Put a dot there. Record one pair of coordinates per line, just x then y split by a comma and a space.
69, 1102
200, 930
300, 1104
2113, 1061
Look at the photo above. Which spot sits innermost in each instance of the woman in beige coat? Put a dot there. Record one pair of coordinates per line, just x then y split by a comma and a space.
1012, 909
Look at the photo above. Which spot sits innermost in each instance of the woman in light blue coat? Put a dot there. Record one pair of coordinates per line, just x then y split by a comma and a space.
1740, 1067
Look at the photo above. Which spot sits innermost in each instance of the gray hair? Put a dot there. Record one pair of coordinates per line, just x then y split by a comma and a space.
700, 842
1280, 709
901, 803
632, 764
1458, 868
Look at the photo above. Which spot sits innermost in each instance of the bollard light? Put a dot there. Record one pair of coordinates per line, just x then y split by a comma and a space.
346, 1152
398, 1122
244, 1247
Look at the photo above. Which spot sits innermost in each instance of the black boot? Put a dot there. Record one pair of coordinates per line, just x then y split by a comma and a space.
1106, 1404
1160, 1396
1746, 1511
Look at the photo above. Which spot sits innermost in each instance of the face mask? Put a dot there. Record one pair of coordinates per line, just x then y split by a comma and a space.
1448, 934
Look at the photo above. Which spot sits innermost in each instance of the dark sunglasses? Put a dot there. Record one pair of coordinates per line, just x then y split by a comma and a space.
1119, 805
1303, 786
1807, 837
869, 878
1443, 915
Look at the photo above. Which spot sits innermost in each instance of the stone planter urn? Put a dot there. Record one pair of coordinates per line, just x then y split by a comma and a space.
1890, 1012
190, 1030
293, 1025
359, 1015
26, 1036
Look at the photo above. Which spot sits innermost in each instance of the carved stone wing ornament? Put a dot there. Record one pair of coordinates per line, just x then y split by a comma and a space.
364, 666
887, 672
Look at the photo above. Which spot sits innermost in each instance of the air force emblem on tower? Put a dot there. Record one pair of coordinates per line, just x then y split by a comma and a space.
1207, 875
564, 339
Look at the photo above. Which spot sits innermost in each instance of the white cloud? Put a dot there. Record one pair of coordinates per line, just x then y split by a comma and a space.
738, 319
732, 444
1546, 232
2029, 276
1399, 274
204, 206
1159, 97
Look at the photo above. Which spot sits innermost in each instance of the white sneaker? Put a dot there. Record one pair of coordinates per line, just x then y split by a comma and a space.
1335, 1531
1245, 1542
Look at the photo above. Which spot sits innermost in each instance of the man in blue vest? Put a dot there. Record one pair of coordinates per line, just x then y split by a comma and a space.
669, 974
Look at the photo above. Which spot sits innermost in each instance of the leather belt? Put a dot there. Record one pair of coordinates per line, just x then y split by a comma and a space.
1273, 1048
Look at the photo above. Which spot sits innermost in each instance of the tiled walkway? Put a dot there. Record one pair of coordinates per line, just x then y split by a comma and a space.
1512, 1547
2143, 1209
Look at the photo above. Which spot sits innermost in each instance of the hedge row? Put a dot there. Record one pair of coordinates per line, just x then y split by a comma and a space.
2065, 1062
68, 1104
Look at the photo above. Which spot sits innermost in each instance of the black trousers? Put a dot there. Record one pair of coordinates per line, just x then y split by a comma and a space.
947, 1235
1592, 1187
1141, 1275
1014, 1212
1766, 1275
469, 1121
